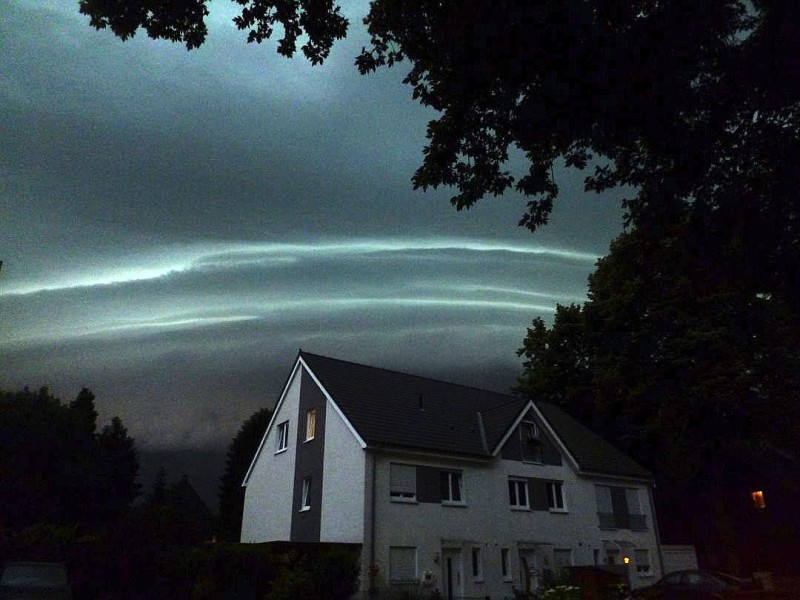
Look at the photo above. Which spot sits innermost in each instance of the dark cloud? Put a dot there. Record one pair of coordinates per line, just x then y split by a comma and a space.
175, 225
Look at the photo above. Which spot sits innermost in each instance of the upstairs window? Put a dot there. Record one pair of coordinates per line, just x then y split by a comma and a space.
402, 483
531, 440
619, 508
555, 496
283, 437
305, 500
518, 493
451, 486
311, 424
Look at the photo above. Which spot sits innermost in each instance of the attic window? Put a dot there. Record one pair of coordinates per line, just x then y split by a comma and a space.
758, 499
530, 438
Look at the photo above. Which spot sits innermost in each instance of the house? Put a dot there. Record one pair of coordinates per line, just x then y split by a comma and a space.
447, 487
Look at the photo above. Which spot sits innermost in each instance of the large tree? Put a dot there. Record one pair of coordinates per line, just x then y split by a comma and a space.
688, 102
241, 451
53, 465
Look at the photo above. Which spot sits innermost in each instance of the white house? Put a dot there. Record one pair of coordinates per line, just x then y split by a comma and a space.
444, 486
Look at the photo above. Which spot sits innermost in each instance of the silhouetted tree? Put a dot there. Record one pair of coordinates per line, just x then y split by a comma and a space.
53, 465
240, 454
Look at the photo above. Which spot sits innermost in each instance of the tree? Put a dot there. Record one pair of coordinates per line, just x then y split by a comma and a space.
53, 465
241, 451
690, 103
679, 362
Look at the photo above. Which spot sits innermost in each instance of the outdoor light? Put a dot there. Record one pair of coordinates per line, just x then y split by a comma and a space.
758, 499
626, 560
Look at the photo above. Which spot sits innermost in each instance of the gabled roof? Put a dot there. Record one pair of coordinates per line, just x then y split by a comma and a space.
389, 409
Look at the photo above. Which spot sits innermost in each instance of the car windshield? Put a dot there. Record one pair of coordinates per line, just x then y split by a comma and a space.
33, 575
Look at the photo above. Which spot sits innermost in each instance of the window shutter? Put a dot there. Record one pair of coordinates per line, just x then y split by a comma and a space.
402, 563
538, 491
403, 480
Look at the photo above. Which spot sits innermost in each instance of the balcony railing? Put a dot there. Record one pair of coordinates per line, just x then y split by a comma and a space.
627, 521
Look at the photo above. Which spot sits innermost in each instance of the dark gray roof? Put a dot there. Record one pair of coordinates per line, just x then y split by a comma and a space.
398, 410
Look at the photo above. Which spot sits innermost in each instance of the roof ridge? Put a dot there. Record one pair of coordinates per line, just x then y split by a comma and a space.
406, 374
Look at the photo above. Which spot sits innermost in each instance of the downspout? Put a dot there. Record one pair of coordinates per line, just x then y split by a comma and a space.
650, 489
372, 570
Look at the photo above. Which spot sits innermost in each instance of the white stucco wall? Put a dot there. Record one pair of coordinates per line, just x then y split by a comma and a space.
487, 521
269, 495
342, 483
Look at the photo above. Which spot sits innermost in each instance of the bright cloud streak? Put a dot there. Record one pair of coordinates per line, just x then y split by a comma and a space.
172, 260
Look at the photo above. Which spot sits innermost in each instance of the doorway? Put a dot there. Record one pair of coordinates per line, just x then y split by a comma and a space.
452, 573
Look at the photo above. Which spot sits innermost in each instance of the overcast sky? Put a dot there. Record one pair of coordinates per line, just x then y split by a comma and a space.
175, 225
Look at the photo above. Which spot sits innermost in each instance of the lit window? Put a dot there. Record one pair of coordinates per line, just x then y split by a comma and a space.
311, 423
305, 501
518, 493
283, 436
555, 496
477, 567
402, 482
451, 484
758, 499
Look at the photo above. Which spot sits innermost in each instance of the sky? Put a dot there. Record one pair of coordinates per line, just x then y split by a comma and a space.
176, 225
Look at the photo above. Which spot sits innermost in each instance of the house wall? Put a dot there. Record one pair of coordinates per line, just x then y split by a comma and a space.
488, 522
269, 494
344, 483
333, 460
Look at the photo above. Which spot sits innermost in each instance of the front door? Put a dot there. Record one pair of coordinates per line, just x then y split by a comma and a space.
528, 571
452, 574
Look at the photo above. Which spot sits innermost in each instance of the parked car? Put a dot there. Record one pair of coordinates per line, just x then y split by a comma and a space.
694, 585
34, 581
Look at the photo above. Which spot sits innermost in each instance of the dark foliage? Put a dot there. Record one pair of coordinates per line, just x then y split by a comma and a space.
687, 367
240, 454
55, 468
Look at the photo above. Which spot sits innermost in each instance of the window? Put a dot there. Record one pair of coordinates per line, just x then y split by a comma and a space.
642, 560
518, 493
758, 499
562, 557
305, 501
402, 483
619, 508
477, 567
311, 423
283, 436
531, 441
555, 496
636, 516
505, 564
451, 484
402, 563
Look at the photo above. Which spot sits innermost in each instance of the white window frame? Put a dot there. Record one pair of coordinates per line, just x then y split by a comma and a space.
519, 483
402, 495
451, 475
311, 424
305, 500
283, 437
476, 563
505, 563
555, 492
